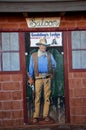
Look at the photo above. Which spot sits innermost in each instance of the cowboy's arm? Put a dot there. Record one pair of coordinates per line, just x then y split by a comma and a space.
31, 72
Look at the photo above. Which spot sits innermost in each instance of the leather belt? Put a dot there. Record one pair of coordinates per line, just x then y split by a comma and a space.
43, 77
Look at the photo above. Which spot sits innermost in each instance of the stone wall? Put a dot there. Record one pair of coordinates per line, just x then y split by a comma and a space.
11, 100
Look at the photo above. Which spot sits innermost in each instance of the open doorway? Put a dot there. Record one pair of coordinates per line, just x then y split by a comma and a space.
57, 98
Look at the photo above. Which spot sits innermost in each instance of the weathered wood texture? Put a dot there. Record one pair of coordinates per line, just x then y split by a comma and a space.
42, 6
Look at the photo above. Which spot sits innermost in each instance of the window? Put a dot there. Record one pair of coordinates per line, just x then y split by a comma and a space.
78, 43
9, 52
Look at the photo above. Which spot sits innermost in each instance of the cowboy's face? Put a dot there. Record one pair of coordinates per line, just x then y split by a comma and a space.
42, 48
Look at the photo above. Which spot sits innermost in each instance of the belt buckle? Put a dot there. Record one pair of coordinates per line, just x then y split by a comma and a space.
43, 75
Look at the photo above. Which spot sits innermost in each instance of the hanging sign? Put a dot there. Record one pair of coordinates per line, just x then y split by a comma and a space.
44, 22
52, 38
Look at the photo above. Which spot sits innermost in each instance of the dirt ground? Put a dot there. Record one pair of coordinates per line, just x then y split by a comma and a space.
46, 127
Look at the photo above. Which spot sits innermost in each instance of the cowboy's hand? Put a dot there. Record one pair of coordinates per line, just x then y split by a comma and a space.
52, 76
31, 81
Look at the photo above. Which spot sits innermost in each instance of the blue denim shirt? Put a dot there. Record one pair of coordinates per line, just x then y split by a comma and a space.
42, 64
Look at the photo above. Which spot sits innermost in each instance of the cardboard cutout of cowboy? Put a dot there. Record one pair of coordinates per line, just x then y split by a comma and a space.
41, 71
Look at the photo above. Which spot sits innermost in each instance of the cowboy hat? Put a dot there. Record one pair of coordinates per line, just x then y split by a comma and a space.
43, 42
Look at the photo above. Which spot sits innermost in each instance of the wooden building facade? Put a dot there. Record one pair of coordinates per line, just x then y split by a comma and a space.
13, 14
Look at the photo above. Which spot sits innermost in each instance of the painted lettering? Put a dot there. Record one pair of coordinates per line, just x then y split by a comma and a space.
43, 22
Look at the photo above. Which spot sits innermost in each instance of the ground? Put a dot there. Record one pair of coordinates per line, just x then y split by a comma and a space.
47, 127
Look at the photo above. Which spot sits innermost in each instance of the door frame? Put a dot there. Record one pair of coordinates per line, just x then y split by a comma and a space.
65, 45
65, 58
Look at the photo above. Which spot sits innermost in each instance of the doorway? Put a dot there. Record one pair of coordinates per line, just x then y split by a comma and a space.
57, 98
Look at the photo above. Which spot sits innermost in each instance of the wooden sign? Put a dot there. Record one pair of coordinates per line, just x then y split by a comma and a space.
43, 22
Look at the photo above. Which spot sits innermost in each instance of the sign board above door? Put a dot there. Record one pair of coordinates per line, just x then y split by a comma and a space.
43, 22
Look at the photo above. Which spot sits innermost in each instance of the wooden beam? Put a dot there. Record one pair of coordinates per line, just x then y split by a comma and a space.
42, 6
38, 0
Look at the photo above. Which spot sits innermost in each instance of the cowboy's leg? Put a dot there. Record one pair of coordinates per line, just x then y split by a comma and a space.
38, 84
47, 92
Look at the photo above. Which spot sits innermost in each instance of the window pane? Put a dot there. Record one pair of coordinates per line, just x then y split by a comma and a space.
5, 41
76, 39
10, 41
83, 57
11, 61
76, 59
83, 39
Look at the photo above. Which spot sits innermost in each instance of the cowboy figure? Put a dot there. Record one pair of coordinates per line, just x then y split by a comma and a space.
41, 68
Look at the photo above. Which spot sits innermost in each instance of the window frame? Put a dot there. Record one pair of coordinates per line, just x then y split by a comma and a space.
70, 53
21, 51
